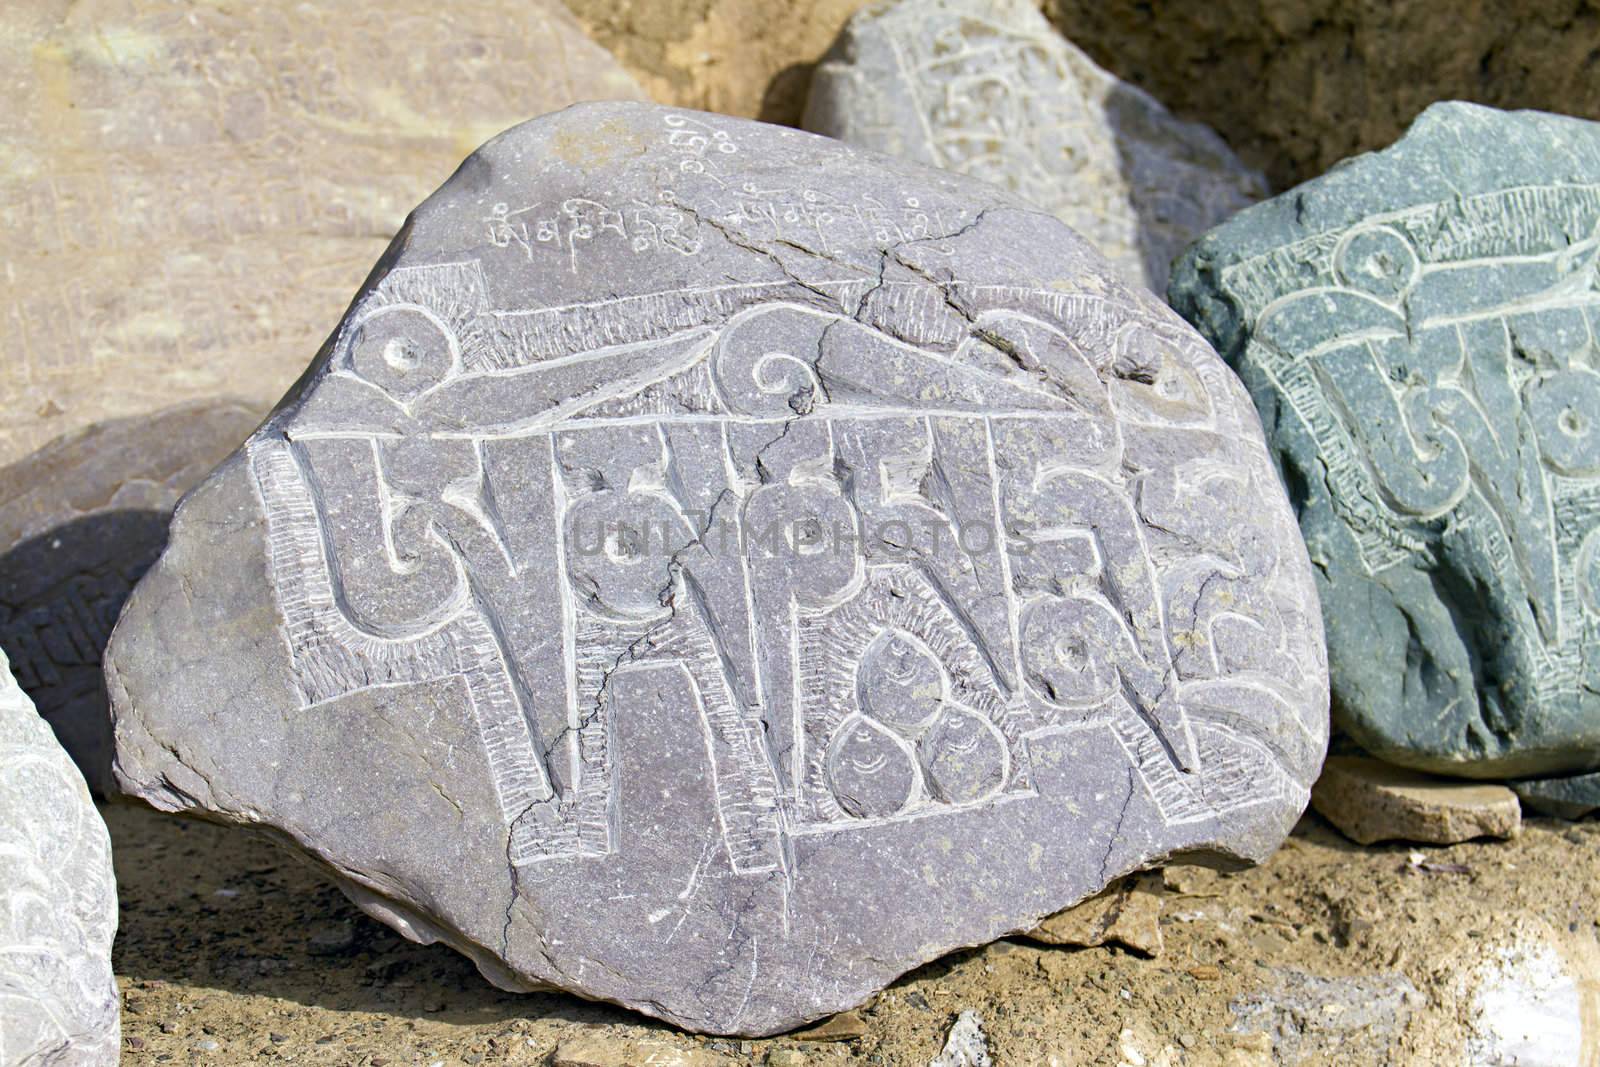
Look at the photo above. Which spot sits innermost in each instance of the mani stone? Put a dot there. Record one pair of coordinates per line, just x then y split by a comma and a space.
716, 571
58, 902
1418, 330
80, 521
190, 193
989, 88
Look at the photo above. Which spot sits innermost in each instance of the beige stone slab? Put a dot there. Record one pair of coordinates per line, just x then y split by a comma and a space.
1371, 801
1127, 913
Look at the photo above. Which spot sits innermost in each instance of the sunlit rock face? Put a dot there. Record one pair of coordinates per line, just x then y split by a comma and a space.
715, 570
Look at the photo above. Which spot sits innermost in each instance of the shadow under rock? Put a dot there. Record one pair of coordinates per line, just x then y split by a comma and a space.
784, 101
214, 907
60, 593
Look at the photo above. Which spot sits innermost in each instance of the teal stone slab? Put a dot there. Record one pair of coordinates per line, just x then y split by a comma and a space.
1572, 797
1418, 330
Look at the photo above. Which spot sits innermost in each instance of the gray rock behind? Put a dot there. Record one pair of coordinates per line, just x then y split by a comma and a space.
989, 88
80, 520
716, 571
1418, 330
58, 902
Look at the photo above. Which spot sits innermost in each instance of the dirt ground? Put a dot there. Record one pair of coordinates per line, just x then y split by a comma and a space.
233, 951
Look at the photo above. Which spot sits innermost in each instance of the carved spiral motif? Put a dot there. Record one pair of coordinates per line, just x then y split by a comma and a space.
1565, 409
403, 349
1379, 262
620, 547
1070, 649
765, 363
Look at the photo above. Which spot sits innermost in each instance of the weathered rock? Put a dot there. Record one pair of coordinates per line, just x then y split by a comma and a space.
989, 88
1372, 801
80, 521
606, 1050
1127, 913
1310, 1018
1571, 797
58, 902
191, 194
966, 1045
718, 591
1417, 329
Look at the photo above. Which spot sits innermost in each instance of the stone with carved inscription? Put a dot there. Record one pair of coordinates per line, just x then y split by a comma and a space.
715, 570
989, 88
80, 520
58, 902
190, 193
1418, 330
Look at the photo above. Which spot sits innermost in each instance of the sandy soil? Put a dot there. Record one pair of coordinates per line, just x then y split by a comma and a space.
232, 951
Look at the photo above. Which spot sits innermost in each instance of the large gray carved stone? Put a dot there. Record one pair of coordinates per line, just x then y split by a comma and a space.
989, 88
58, 902
715, 570
80, 520
1418, 330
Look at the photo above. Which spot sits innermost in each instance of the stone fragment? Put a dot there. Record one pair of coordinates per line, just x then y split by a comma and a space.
607, 1050
1127, 914
191, 193
966, 1045
1571, 797
1373, 801
1307, 1018
58, 902
846, 1026
719, 592
1418, 330
989, 88
80, 521
1528, 1008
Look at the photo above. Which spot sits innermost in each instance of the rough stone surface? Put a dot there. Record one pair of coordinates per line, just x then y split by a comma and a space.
966, 1046
608, 1050
1311, 1018
80, 521
1128, 914
1571, 797
717, 590
58, 902
1372, 801
1418, 330
191, 193
1297, 85
989, 88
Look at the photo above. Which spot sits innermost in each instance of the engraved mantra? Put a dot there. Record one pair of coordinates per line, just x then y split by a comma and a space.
423, 498
1444, 360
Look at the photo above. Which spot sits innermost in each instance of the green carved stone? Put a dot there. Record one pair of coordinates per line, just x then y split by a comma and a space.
1418, 329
